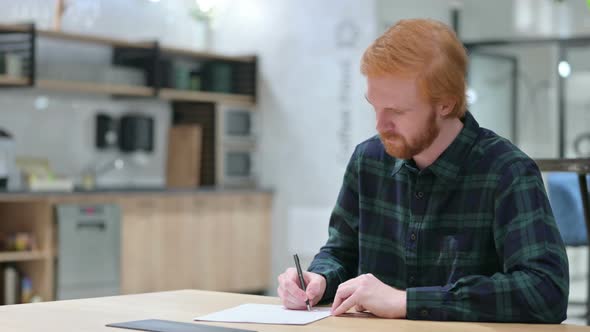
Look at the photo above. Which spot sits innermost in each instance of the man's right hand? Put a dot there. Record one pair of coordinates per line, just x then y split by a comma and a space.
292, 294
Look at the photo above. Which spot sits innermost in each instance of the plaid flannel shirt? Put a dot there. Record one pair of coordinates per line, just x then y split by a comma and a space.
470, 238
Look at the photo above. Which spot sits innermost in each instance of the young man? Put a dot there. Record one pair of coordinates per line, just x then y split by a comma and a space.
437, 218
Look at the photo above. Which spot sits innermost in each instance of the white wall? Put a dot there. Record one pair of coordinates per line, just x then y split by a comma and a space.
390, 11
311, 103
67, 120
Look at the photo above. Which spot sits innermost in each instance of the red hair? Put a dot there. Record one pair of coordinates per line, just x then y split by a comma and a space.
428, 49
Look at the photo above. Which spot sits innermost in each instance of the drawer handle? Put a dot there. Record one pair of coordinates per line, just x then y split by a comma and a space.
100, 225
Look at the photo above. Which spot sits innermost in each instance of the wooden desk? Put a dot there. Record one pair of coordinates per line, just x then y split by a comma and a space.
93, 314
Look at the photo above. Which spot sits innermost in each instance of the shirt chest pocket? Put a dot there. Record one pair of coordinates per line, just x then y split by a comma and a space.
466, 253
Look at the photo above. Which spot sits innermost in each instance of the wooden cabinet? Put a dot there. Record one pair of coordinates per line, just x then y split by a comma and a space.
214, 242
34, 218
197, 240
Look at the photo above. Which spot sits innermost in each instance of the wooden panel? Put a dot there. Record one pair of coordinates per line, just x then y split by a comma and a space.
92, 39
41, 274
140, 243
34, 217
15, 27
203, 115
215, 270
234, 243
183, 167
214, 242
214, 97
12, 80
251, 238
90, 87
179, 237
17, 256
206, 55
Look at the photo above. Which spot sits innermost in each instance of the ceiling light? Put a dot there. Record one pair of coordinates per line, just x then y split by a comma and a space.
564, 69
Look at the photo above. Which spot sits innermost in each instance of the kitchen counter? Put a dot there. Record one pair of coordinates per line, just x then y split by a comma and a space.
168, 236
114, 191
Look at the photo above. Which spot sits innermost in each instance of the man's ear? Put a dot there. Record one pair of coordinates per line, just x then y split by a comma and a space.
445, 107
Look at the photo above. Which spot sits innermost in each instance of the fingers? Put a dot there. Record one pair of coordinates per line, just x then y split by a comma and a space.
289, 302
291, 274
359, 308
313, 290
348, 303
291, 295
294, 291
309, 277
345, 290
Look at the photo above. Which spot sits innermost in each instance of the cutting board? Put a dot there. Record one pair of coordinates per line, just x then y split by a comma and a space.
183, 166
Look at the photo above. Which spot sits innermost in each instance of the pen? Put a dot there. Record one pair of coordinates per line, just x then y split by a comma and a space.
301, 280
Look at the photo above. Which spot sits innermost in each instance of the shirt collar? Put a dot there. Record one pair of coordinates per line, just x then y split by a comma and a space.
450, 162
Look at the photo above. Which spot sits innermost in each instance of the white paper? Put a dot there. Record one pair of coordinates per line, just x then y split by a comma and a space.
266, 314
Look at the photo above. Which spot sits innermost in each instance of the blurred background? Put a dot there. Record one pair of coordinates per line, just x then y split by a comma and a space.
152, 145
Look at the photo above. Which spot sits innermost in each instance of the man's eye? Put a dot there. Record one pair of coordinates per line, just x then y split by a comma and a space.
394, 110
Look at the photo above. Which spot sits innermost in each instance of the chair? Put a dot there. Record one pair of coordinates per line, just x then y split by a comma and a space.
566, 202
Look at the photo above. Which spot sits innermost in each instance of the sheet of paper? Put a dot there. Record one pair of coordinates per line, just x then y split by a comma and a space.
266, 314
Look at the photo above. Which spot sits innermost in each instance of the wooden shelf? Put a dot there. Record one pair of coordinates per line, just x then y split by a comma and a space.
91, 87
20, 256
123, 43
93, 39
228, 98
13, 80
130, 90
152, 52
206, 55
16, 27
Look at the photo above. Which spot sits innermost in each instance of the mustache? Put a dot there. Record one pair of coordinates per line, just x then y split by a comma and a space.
389, 135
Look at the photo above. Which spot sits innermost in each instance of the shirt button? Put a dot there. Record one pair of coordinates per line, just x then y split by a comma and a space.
424, 313
419, 195
413, 237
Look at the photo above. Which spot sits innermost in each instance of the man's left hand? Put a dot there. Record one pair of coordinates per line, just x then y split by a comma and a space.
367, 293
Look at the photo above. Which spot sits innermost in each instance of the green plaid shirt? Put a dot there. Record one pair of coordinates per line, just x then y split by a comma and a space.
471, 237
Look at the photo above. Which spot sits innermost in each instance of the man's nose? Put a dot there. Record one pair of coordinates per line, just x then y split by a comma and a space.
383, 123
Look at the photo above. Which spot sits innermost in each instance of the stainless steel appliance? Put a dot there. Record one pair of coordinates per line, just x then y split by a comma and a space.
89, 250
8, 172
236, 136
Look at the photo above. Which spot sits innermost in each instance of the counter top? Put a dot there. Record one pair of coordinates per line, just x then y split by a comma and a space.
580, 165
132, 191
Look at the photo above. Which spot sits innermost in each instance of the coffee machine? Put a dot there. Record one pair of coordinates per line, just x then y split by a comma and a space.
7, 161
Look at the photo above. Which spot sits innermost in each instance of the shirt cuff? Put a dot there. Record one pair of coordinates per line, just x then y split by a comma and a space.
426, 303
332, 283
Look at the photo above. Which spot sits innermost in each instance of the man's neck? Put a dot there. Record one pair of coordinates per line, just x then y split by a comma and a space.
449, 130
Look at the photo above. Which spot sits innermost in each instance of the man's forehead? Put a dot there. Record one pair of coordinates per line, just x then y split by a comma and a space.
390, 99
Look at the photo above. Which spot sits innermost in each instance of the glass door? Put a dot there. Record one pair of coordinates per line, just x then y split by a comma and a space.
574, 71
492, 95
